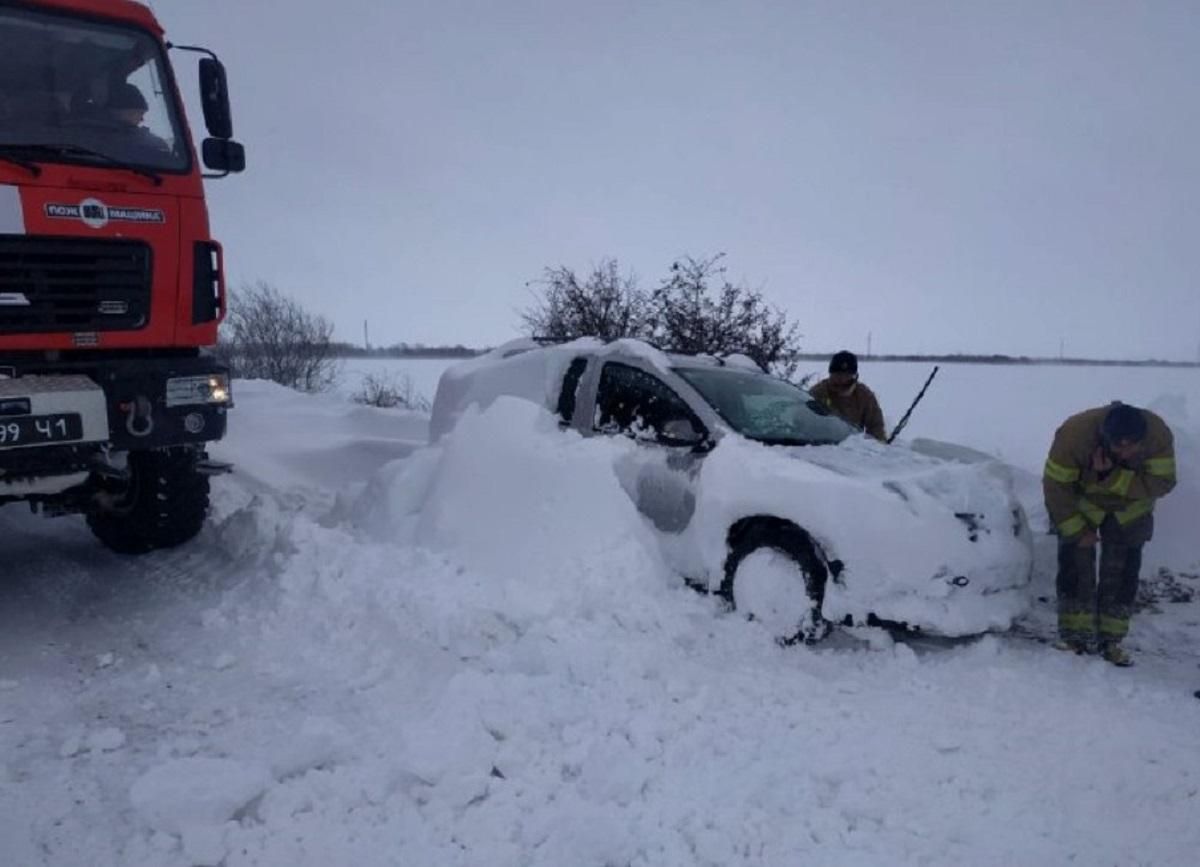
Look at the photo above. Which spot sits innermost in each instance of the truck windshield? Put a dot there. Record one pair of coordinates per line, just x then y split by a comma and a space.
765, 408
82, 91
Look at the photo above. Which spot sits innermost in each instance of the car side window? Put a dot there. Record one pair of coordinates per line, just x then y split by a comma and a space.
566, 398
635, 403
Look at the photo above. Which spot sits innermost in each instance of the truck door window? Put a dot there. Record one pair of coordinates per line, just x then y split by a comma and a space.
632, 402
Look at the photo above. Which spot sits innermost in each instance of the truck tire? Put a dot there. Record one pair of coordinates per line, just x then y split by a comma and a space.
774, 575
164, 505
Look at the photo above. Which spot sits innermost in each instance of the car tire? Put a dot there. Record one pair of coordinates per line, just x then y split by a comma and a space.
774, 574
164, 504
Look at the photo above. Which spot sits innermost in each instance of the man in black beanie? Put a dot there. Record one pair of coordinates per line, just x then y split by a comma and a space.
848, 398
127, 109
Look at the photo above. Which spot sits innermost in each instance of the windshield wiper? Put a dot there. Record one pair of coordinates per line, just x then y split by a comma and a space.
799, 440
72, 150
784, 441
33, 168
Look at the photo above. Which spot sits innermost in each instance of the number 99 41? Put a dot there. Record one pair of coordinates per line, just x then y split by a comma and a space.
32, 430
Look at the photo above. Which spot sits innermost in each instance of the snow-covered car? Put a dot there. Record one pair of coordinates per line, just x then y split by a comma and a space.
757, 493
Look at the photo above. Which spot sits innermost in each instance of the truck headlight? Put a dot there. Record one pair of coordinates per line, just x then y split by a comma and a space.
211, 389
218, 389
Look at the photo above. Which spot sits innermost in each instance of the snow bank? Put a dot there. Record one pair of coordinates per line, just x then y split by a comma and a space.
530, 687
507, 675
197, 792
312, 444
506, 525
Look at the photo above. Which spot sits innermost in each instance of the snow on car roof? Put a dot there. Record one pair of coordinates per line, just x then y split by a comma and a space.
533, 370
736, 360
523, 368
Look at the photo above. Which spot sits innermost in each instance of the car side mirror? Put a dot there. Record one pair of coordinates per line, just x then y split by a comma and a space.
681, 432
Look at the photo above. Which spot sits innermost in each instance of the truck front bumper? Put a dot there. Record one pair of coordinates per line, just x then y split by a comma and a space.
122, 404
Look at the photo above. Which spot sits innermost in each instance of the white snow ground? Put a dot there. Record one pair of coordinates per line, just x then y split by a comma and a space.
342, 670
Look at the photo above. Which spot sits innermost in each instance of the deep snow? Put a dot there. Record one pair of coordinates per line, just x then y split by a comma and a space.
383, 654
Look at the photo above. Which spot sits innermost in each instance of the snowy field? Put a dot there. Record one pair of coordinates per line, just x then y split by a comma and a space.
342, 669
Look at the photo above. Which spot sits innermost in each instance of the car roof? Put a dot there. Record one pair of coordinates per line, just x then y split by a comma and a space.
533, 370
626, 346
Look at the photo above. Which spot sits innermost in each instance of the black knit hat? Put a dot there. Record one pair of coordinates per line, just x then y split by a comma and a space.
1123, 422
843, 362
126, 96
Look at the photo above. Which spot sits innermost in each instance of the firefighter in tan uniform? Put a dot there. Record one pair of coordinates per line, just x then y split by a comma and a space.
848, 398
1106, 468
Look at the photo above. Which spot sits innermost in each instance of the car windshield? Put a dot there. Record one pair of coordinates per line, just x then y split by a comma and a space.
765, 408
82, 91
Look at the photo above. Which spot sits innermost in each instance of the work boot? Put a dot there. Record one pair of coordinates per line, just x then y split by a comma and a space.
1073, 645
1116, 654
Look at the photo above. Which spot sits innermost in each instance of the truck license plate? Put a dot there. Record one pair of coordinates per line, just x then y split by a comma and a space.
36, 430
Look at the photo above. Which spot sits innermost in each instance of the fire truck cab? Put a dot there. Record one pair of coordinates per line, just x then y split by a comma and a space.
111, 287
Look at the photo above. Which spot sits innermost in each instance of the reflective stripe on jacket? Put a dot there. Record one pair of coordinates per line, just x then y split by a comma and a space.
1078, 499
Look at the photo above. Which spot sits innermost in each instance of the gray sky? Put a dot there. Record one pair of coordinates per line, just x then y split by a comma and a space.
950, 176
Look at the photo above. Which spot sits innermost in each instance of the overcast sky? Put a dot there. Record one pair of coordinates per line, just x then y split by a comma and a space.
947, 176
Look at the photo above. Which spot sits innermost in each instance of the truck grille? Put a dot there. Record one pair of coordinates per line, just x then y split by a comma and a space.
73, 284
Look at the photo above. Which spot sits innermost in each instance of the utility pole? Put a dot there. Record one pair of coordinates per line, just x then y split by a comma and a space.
868, 344
366, 339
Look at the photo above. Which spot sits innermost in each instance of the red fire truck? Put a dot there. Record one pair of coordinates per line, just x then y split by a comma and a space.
111, 288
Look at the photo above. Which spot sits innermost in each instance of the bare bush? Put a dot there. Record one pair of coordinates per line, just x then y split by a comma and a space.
390, 391
688, 314
696, 309
268, 335
605, 305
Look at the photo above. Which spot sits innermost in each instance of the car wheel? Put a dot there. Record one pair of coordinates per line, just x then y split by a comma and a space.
774, 576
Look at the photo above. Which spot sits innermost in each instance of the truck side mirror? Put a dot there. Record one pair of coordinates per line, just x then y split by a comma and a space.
224, 155
214, 97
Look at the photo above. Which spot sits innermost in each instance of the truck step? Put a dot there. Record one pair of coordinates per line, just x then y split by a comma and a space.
213, 468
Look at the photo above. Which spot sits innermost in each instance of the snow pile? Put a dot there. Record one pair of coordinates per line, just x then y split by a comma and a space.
529, 686
311, 445
506, 526
513, 496
476, 655
195, 797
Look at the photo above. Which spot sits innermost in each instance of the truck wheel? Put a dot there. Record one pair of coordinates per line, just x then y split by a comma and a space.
774, 576
164, 505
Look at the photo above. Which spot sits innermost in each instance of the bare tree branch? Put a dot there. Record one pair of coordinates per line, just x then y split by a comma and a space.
687, 314
694, 310
268, 335
606, 305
